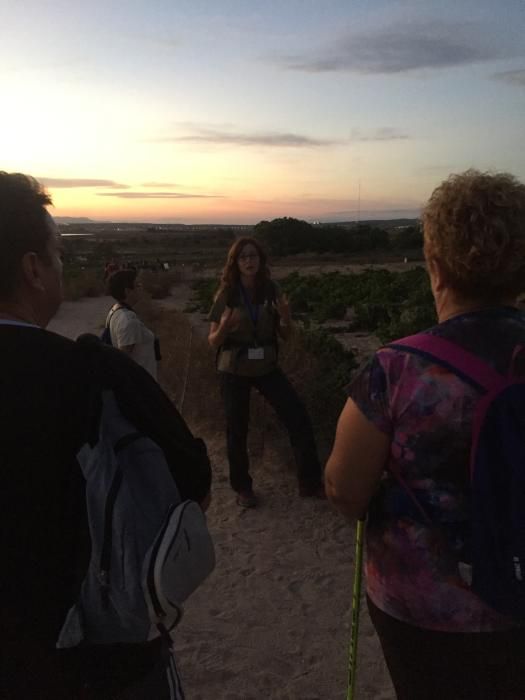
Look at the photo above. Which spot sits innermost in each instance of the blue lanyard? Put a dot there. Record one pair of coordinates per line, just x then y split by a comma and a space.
252, 310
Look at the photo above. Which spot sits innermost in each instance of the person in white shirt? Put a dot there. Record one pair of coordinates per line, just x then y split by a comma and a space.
127, 331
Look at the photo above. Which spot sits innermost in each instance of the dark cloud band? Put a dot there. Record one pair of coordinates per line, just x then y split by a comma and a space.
222, 137
398, 49
159, 195
513, 77
238, 138
160, 184
79, 182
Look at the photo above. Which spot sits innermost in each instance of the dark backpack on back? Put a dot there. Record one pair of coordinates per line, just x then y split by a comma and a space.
497, 473
105, 336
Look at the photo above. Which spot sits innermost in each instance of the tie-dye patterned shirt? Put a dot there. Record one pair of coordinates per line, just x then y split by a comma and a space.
414, 570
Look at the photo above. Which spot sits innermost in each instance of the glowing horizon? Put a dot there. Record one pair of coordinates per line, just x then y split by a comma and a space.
244, 112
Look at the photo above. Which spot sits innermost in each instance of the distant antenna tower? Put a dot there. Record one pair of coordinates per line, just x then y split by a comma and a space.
359, 202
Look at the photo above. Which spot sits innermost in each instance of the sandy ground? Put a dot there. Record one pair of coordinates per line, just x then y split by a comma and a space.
272, 622
83, 316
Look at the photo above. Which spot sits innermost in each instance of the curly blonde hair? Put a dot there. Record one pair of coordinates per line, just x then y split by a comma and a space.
474, 226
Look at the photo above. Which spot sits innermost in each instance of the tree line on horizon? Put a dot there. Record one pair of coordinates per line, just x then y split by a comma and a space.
288, 236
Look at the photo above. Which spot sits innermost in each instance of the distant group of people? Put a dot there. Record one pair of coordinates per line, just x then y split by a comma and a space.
401, 454
113, 265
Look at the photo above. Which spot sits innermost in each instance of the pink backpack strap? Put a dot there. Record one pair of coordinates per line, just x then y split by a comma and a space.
462, 362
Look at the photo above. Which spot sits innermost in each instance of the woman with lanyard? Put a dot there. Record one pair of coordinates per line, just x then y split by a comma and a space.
248, 315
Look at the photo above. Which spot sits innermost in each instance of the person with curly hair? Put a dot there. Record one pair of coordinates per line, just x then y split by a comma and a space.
248, 317
402, 451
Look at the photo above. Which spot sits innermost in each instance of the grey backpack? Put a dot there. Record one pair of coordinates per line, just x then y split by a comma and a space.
149, 550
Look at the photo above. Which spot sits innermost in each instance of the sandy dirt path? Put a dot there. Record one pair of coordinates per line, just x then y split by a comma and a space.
272, 622
84, 316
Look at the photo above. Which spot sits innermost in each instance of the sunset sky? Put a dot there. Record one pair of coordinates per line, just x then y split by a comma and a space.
242, 110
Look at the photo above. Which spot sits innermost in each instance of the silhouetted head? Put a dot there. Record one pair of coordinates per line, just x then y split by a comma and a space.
30, 250
124, 287
474, 235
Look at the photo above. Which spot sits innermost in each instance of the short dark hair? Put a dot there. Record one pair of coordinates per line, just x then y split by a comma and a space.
24, 225
119, 281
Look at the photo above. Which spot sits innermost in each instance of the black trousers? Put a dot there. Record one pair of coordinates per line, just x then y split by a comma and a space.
283, 398
428, 665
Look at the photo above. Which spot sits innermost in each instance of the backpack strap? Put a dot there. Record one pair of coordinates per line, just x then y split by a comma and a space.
116, 307
110, 314
462, 363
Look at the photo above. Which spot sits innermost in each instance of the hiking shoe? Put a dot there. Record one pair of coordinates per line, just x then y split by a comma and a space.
246, 499
312, 491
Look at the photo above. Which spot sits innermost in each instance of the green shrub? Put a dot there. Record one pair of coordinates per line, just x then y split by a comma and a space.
383, 302
79, 282
320, 368
203, 293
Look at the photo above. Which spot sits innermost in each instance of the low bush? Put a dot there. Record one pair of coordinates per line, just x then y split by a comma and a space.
320, 368
79, 282
384, 303
159, 284
203, 293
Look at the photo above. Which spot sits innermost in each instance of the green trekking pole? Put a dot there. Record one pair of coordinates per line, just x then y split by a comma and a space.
356, 605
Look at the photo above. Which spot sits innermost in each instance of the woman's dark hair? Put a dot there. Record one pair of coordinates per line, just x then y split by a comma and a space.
119, 281
24, 225
230, 275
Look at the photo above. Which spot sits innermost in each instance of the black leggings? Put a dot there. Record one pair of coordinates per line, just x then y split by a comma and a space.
428, 665
283, 398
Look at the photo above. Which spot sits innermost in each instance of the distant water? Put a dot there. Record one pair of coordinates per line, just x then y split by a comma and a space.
76, 235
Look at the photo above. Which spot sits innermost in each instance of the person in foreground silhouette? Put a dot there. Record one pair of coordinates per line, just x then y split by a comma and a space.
403, 447
50, 389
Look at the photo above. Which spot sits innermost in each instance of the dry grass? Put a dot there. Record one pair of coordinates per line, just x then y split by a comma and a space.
159, 284
187, 370
82, 283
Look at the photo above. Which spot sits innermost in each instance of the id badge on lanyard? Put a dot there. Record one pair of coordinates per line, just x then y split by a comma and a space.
256, 353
